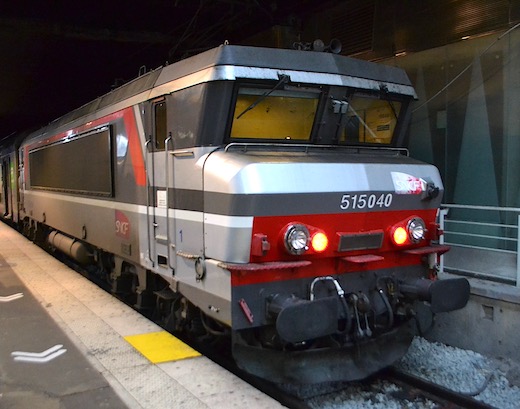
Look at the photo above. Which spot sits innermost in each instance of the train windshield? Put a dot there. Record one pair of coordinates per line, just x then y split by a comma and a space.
288, 113
275, 114
367, 120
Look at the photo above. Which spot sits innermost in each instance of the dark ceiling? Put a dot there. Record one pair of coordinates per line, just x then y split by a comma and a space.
57, 55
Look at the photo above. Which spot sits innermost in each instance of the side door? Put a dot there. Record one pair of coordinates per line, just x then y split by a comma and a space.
3, 192
161, 223
5, 195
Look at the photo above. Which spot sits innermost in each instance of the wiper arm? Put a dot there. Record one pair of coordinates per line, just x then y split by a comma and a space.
390, 102
384, 89
283, 80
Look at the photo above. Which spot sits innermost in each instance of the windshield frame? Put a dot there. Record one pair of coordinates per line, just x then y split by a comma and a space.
263, 91
327, 124
376, 119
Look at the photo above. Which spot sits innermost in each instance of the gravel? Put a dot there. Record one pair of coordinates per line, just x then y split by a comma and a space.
380, 395
486, 379
494, 382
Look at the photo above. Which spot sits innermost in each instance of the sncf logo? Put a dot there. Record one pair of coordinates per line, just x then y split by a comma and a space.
122, 225
405, 184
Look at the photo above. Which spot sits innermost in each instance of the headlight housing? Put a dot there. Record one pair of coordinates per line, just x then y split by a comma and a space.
416, 229
296, 239
409, 231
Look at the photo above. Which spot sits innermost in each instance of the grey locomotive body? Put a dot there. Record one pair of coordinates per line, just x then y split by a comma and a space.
254, 193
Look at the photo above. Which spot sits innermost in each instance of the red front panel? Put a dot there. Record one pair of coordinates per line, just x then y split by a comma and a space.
332, 261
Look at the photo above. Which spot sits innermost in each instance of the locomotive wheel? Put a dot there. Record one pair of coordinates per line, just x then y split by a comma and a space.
166, 305
123, 286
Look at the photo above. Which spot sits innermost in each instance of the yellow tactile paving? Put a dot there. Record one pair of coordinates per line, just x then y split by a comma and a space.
161, 346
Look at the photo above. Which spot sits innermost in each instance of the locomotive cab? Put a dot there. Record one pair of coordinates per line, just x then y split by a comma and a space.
314, 233
343, 238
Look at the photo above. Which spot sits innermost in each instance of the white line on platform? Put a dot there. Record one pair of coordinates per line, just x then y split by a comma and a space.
39, 357
40, 360
12, 297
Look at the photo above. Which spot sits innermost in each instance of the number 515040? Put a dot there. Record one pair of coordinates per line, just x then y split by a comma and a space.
365, 201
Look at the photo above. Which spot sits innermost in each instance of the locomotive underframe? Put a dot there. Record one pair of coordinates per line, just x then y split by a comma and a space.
364, 283
328, 327
350, 362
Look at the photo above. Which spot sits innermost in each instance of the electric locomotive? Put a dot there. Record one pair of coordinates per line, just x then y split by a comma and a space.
260, 194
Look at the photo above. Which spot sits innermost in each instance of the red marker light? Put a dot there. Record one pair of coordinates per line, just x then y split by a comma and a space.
319, 242
400, 236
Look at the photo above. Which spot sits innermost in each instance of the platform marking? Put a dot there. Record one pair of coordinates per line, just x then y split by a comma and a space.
12, 297
39, 357
161, 346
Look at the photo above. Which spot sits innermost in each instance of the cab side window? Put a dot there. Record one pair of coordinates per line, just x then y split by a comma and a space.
159, 112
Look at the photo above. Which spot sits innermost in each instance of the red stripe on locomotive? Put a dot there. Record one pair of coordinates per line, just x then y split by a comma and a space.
134, 147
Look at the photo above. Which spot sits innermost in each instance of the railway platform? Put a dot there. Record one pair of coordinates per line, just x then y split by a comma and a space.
65, 343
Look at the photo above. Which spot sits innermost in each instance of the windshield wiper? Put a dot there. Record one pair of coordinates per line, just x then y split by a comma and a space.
384, 90
284, 79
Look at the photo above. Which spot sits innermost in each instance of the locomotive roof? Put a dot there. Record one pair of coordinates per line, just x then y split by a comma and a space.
229, 62
284, 59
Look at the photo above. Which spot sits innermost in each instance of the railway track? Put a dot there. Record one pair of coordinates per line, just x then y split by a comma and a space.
446, 398
401, 390
408, 390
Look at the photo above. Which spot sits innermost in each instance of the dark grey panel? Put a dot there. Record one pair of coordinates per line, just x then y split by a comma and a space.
185, 199
303, 203
81, 165
290, 203
361, 241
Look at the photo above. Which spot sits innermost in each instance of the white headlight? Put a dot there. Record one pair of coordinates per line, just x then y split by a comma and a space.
416, 229
297, 239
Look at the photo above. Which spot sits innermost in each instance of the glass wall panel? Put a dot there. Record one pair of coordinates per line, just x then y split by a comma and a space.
467, 122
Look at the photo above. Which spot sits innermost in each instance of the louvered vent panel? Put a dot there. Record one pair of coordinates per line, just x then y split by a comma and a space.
354, 27
515, 11
471, 17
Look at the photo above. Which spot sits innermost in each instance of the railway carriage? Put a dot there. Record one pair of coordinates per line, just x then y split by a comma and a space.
260, 194
9, 190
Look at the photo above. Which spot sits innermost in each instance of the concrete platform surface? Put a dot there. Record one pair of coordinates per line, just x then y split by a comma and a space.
62, 345
488, 324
